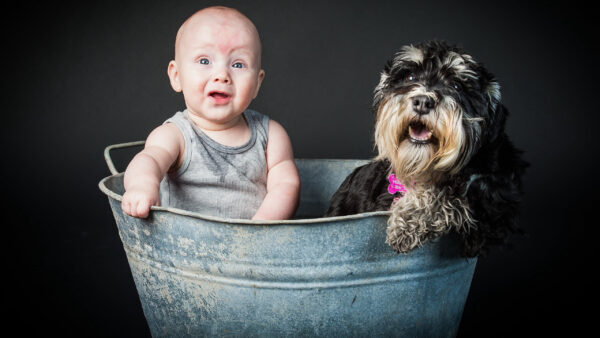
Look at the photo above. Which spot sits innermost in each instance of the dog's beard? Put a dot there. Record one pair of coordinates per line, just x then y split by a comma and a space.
422, 148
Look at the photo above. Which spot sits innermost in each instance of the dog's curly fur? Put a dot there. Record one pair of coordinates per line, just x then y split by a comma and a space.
440, 128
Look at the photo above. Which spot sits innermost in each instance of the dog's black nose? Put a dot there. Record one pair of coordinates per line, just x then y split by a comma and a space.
422, 104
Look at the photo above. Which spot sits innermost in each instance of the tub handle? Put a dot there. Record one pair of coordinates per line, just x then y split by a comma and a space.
109, 161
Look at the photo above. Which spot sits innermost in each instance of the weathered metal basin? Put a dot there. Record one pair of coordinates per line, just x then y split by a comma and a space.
331, 277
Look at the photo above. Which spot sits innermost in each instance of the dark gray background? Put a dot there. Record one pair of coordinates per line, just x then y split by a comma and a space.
80, 77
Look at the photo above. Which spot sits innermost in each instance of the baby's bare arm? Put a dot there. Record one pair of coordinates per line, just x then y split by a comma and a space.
163, 148
283, 182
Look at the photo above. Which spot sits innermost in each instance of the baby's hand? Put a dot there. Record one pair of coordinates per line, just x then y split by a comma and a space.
137, 201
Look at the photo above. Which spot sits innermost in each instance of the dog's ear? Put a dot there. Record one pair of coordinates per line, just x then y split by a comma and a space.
379, 89
497, 113
494, 191
493, 94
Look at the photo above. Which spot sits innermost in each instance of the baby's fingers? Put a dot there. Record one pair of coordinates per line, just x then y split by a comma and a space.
143, 209
136, 206
126, 206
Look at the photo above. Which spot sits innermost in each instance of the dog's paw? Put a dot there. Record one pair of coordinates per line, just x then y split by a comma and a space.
422, 215
403, 235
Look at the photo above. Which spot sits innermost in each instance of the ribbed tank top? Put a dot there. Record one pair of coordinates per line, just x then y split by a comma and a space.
215, 179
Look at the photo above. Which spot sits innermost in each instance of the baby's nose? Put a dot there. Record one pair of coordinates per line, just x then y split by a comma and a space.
221, 76
223, 79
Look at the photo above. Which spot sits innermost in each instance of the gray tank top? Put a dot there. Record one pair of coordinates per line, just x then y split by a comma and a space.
215, 179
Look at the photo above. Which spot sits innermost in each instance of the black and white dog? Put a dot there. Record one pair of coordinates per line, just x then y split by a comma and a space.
444, 160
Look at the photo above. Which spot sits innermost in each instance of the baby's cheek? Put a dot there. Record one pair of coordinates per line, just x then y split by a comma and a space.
246, 93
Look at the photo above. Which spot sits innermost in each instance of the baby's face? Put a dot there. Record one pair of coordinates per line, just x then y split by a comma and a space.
217, 67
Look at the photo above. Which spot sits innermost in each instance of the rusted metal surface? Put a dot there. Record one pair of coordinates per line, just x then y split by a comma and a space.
208, 276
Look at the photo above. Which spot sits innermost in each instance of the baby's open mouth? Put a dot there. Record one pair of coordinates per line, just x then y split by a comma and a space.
218, 95
419, 133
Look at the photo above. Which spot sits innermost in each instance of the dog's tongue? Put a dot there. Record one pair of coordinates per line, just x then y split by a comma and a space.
418, 130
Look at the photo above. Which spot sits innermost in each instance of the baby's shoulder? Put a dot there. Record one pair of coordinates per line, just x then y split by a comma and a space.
167, 133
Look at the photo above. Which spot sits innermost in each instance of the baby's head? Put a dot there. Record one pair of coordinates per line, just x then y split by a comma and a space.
217, 64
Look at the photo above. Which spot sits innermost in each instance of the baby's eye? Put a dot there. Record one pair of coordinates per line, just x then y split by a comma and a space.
238, 65
204, 61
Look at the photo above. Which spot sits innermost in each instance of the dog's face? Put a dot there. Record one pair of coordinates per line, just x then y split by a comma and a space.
435, 107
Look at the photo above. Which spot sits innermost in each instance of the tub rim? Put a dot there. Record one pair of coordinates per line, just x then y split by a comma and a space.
115, 196
116, 173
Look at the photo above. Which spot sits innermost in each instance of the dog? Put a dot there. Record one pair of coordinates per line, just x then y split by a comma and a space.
445, 163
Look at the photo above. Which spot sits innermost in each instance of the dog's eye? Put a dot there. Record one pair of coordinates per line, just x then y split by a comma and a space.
455, 85
410, 77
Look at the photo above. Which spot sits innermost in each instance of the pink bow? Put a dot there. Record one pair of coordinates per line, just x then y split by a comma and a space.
395, 185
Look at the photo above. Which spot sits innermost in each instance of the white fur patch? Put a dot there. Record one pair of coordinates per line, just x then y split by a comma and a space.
459, 64
409, 54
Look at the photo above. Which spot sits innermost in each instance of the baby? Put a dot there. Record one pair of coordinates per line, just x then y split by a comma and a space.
217, 157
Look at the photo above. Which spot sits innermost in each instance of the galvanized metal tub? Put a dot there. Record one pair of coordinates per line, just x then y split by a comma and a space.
206, 276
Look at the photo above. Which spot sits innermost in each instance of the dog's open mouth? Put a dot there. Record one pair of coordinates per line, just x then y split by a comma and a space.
419, 133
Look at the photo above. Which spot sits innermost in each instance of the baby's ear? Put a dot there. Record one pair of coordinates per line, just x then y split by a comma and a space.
261, 76
173, 73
